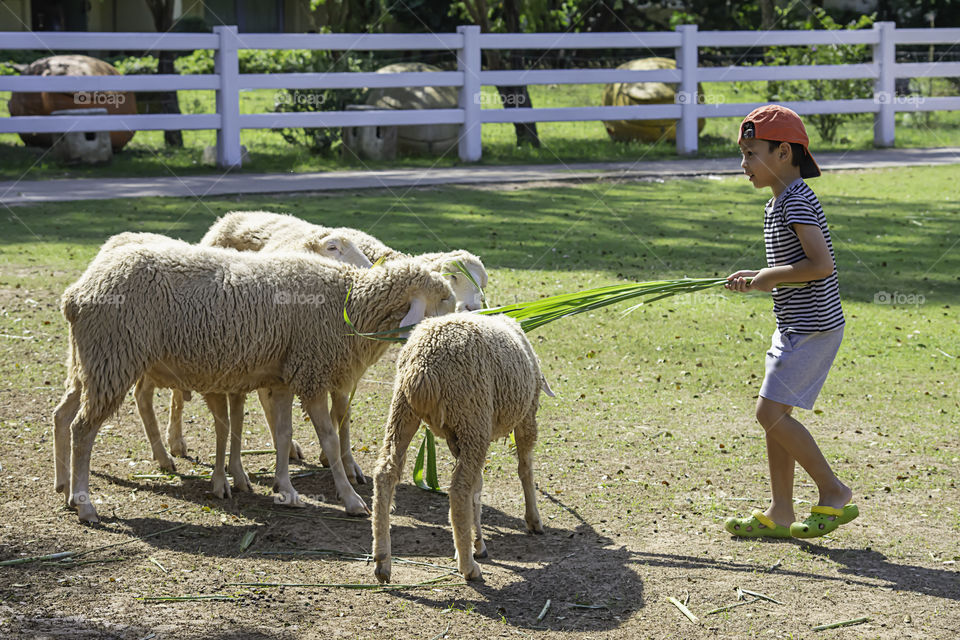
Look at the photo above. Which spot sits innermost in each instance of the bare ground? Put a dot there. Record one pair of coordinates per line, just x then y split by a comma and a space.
623, 533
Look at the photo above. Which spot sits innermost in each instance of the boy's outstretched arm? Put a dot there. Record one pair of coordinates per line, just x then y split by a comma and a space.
816, 265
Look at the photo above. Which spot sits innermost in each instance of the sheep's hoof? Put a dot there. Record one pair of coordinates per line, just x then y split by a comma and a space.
241, 482
178, 447
472, 572
296, 451
323, 460
535, 527
221, 488
357, 509
481, 553
353, 472
60, 487
382, 571
88, 514
167, 464
85, 510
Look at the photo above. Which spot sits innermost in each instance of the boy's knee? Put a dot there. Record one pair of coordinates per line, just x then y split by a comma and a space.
769, 413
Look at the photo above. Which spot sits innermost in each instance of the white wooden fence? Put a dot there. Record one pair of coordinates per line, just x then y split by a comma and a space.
468, 44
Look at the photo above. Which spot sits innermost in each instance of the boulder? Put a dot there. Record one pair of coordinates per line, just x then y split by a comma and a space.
622, 94
429, 139
82, 147
369, 143
42, 104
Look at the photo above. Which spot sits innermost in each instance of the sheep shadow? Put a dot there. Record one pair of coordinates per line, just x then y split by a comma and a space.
589, 583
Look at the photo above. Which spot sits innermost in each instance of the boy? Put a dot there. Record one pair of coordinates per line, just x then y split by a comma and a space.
810, 323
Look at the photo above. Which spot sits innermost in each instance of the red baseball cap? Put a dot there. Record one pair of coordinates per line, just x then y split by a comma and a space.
779, 124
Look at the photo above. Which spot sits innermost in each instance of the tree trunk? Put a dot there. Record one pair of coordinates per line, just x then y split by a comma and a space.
517, 97
169, 102
162, 11
768, 14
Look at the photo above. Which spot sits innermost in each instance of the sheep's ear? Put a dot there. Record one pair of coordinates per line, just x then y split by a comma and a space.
418, 309
545, 387
327, 246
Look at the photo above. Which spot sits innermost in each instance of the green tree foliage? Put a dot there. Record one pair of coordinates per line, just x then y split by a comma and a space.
806, 90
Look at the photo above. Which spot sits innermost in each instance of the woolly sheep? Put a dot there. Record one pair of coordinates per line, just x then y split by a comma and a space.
266, 231
472, 379
241, 231
223, 322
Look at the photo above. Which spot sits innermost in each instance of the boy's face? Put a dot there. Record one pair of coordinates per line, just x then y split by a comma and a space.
761, 165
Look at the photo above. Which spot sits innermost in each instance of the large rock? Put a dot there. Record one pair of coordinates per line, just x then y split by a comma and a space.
622, 94
430, 139
42, 104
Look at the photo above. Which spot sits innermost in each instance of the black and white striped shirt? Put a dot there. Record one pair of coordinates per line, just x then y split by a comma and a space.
815, 307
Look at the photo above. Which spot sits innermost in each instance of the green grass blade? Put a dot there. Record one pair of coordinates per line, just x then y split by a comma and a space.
425, 468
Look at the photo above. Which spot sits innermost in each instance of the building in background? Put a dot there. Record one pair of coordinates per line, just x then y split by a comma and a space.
260, 16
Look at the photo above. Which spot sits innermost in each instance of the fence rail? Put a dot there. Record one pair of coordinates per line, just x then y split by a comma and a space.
468, 44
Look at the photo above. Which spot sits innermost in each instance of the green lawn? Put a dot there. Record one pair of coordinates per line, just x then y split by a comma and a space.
561, 141
649, 445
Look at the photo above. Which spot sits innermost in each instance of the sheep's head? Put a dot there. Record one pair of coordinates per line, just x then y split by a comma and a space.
337, 247
467, 277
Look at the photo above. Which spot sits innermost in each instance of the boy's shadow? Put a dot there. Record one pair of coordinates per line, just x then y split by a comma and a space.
869, 563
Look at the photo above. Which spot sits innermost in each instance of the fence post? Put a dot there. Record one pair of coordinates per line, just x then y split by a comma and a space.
687, 96
469, 63
227, 68
884, 87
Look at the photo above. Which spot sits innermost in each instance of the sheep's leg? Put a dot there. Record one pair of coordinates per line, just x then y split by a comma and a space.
143, 394
281, 410
84, 432
62, 418
178, 446
341, 417
526, 436
320, 416
468, 468
217, 402
402, 425
296, 452
240, 480
479, 546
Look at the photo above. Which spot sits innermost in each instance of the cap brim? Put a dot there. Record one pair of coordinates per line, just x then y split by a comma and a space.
809, 167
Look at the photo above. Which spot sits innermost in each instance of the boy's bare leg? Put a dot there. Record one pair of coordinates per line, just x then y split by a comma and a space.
782, 466
797, 442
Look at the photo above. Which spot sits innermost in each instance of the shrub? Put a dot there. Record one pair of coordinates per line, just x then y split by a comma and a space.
321, 140
806, 90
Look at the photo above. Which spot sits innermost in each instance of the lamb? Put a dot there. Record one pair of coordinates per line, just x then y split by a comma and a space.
223, 322
472, 379
266, 231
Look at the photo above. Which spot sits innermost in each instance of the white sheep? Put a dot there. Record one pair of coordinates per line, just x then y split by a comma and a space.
221, 322
246, 236
472, 379
266, 231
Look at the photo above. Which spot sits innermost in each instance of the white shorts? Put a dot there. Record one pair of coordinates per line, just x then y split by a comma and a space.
797, 366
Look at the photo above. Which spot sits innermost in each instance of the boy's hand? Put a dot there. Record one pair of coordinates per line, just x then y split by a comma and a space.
765, 280
738, 281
